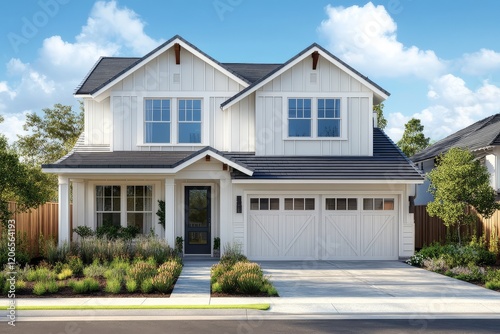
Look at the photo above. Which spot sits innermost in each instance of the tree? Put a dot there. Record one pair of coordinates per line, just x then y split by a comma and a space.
19, 182
458, 183
413, 139
51, 136
381, 121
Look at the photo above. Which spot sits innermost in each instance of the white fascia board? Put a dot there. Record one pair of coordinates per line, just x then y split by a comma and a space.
159, 52
82, 96
280, 181
296, 61
215, 156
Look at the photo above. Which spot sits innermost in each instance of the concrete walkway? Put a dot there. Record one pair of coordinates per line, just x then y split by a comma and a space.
194, 281
308, 290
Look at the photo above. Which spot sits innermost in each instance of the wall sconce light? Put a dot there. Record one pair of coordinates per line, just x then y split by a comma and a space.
412, 204
239, 207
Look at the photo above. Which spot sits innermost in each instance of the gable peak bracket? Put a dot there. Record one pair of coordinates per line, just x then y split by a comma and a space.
177, 49
315, 57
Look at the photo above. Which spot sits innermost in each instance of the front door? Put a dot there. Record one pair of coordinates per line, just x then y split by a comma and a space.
197, 220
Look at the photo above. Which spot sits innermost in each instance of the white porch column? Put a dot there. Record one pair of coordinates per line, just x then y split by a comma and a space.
79, 204
226, 211
170, 211
64, 219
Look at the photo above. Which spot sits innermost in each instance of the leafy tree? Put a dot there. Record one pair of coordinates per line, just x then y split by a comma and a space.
413, 139
458, 183
51, 136
19, 182
381, 121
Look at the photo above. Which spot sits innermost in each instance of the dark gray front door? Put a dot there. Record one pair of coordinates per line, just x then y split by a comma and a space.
197, 220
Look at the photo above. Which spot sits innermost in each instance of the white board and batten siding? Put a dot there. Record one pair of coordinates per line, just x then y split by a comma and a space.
192, 79
327, 81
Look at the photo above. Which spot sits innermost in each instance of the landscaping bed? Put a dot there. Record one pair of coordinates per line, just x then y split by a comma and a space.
235, 276
472, 263
98, 267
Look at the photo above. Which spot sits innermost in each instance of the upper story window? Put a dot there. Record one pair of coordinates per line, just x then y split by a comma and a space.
328, 117
299, 117
190, 121
157, 121
314, 118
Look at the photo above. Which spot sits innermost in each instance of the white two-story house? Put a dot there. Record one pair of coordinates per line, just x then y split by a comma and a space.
282, 158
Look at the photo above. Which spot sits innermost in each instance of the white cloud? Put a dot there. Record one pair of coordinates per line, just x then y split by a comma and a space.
480, 63
13, 125
452, 106
61, 65
4, 88
365, 37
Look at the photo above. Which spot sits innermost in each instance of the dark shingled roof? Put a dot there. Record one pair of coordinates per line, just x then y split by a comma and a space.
387, 163
251, 72
479, 135
103, 71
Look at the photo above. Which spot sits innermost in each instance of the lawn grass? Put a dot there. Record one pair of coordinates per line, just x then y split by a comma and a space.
261, 307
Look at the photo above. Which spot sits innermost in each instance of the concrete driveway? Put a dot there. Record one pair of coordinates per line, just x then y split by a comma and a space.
366, 279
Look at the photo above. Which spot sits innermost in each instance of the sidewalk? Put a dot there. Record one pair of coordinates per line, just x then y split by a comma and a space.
193, 288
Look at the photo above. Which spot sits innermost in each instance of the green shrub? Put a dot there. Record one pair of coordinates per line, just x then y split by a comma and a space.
492, 275
94, 270
114, 274
52, 287
23, 250
468, 274
163, 281
147, 286
53, 253
437, 265
269, 289
455, 255
232, 254
172, 266
228, 282
416, 260
217, 270
141, 271
247, 267
84, 286
108, 231
119, 263
76, 265
129, 232
101, 249
83, 231
40, 274
493, 285
20, 285
131, 285
113, 286
64, 274
250, 283
39, 288
159, 250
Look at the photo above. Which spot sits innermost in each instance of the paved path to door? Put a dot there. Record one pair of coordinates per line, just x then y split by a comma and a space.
194, 281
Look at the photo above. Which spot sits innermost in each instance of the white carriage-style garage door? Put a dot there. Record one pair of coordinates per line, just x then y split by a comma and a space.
322, 227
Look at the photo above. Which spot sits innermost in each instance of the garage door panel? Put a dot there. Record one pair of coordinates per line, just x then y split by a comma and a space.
378, 235
299, 236
264, 230
342, 236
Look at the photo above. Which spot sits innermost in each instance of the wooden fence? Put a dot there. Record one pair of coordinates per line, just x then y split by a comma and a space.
40, 222
431, 229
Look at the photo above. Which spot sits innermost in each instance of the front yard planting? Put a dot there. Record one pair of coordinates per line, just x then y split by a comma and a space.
472, 263
235, 275
99, 267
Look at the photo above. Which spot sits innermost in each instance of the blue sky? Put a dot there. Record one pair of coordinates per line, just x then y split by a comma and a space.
439, 59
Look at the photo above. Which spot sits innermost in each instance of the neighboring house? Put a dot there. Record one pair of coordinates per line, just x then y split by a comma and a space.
481, 138
282, 158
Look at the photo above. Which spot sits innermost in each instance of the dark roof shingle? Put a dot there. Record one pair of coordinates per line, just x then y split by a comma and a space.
481, 134
387, 163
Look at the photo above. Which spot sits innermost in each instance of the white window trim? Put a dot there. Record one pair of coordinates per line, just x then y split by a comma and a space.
123, 201
174, 121
314, 118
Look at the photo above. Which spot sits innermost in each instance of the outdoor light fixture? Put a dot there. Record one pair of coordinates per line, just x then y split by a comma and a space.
239, 208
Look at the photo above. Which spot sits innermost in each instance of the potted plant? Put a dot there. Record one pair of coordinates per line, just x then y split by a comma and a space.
216, 247
179, 245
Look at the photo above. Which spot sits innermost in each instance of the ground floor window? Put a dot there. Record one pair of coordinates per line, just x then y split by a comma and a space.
140, 207
108, 205
125, 205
